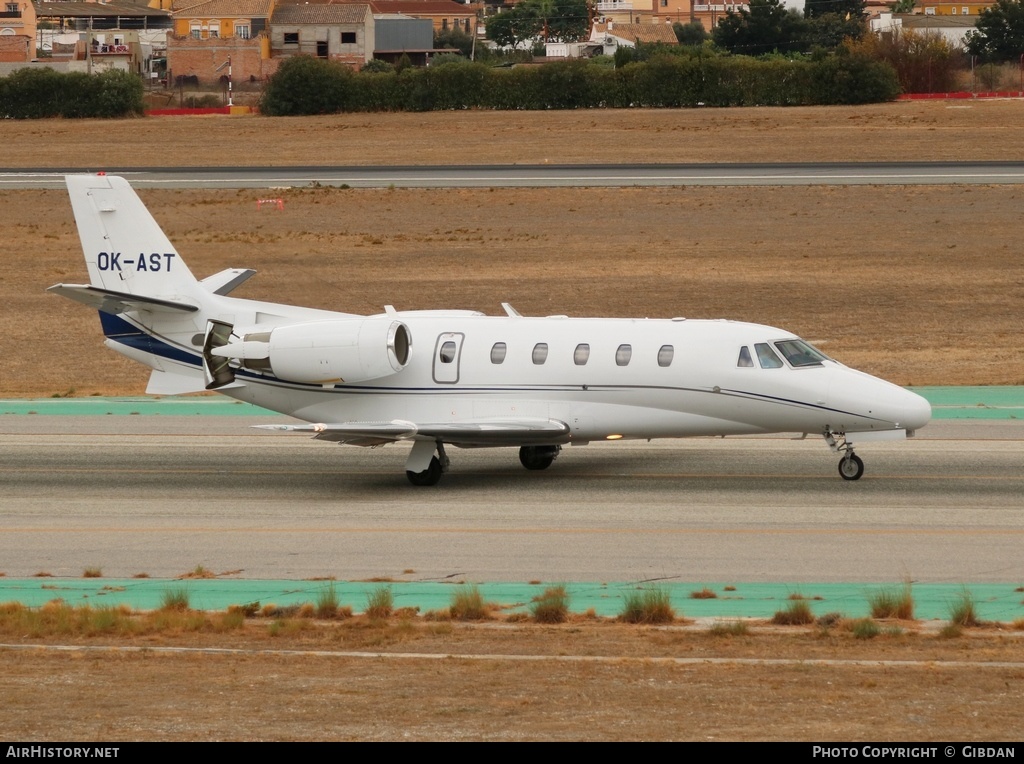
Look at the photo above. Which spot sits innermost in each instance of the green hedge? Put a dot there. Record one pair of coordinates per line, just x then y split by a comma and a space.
306, 85
38, 93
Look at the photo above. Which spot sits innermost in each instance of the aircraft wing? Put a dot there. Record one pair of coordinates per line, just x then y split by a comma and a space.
493, 432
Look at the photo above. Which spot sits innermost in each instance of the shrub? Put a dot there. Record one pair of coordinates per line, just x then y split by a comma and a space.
552, 606
865, 628
380, 603
327, 602
892, 603
962, 611
648, 606
175, 599
468, 604
797, 613
92, 573
703, 594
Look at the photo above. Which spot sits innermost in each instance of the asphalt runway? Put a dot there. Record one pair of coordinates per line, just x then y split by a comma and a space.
162, 494
523, 176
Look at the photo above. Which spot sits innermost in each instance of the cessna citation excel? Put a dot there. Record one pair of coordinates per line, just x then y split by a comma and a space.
458, 377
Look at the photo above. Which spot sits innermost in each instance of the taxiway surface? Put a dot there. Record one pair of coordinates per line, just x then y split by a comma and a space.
161, 495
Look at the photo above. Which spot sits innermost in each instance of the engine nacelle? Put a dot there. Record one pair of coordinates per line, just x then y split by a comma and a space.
325, 352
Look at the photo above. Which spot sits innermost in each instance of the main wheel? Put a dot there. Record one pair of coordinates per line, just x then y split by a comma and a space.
538, 457
851, 467
430, 476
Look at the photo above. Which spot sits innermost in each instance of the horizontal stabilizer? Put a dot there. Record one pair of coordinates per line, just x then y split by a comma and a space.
494, 432
113, 302
226, 282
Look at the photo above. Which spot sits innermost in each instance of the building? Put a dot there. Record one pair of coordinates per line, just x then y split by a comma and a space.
17, 31
334, 31
209, 34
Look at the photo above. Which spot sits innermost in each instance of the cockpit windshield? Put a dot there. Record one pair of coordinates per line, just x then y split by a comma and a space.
800, 353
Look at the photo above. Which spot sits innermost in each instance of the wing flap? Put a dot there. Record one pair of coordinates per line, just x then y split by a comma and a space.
493, 432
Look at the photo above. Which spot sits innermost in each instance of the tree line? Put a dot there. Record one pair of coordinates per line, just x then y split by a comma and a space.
38, 93
306, 85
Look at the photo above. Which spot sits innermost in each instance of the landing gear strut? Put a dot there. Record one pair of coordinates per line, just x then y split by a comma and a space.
437, 465
851, 467
538, 457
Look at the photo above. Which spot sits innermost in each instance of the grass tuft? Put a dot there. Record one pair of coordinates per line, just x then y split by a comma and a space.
864, 628
962, 610
92, 573
175, 600
892, 603
552, 606
796, 613
729, 629
327, 602
703, 594
951, 631
648, 606
380, 603
199, 572
468, 604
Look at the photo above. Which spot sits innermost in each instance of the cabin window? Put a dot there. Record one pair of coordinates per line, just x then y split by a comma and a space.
348, 38
540, 353
447, 352
498, 350
800, 353
745, 361
582, 354
665, 355
623, 354
766, 356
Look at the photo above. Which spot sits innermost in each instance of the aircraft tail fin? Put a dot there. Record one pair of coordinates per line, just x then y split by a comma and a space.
126, 251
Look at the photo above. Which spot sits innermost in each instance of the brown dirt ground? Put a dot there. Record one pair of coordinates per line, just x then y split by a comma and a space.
575, 681
918, 284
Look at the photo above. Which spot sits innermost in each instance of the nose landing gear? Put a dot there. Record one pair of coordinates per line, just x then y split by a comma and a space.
851, 467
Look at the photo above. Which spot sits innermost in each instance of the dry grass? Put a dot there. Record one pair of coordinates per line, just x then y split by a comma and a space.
703, 594
963, 612
380, 603
649, 606
92, 573
468, 604
552, 606
796, 613
892, 603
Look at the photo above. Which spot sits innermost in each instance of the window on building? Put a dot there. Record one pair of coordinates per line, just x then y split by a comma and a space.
195, 30
498, 351
321, 48
444, 24
214, 28
582, 354
291, 38
348, 38
11, 7
540, 353
623, 354
242, 30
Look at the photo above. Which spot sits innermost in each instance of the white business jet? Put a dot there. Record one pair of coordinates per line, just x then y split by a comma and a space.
459, 377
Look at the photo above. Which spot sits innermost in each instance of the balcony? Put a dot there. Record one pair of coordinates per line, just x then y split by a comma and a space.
614, 5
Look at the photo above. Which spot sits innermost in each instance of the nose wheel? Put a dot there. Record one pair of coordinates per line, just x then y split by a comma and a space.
850, 466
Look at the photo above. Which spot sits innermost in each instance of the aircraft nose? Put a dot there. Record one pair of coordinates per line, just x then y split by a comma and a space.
917, 411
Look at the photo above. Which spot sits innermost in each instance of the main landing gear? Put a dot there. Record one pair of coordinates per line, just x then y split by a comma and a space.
851, 467
538, 457
423, 467
427, 461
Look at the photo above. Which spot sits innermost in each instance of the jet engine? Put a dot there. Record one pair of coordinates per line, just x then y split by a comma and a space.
317, 352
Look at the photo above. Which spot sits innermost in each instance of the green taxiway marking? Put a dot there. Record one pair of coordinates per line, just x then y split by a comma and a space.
993, 602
